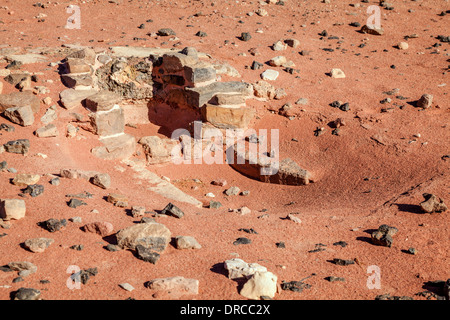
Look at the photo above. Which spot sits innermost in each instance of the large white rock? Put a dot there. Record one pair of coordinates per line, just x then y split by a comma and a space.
238, 268
337, 73
270, 74
260, 284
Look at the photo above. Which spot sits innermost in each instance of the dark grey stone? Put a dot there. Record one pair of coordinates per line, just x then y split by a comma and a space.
74, 203
27, 294
172, 210
53, 225
296, 286
147, 254
34, 190
342, 262
239, 241
20, 146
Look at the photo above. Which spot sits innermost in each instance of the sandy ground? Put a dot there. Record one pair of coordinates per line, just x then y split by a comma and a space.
360, 183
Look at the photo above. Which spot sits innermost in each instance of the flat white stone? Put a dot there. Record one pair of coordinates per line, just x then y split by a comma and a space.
270, 75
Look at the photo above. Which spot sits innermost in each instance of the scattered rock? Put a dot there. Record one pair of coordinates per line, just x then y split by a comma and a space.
25, 179
173, 210
175, 285
34, 190
337, 73
154, 236
12, 209
55, 181
260, 284
214, 204
146, 254
126, 286
219, 182
403, 45
270, 75
425, 101
20, 115
432, 204
49, 116
53, 225
294, 217
342, 262
20, 146
27, 294
137, 211
245, 36
75, 203
383, 236
100, 227
165, 32
279, 46
244, 210
24, 268
334, 279
295, 286
241, 240
49, 130
112, 247
232, 191
293, 43
238, 268
119, 200
19, 99
38, 245
187, 242
102, 180
372, 30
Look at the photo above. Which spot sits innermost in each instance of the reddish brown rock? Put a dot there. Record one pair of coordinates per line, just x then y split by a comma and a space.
101, 227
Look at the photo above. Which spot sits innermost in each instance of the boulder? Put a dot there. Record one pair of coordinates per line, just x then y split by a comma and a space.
261, 284
20, 146
157, 150
120, 147
12, 209
47, 131
103, 100
20, 115
154, 236
19, 99
71, 98
38, 245
425, 101
102, 180
187, 242
227, 118
25, 179
107, 123
238, 268
76, 65
432, 204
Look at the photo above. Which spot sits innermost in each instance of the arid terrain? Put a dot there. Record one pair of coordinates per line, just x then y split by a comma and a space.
371, 161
